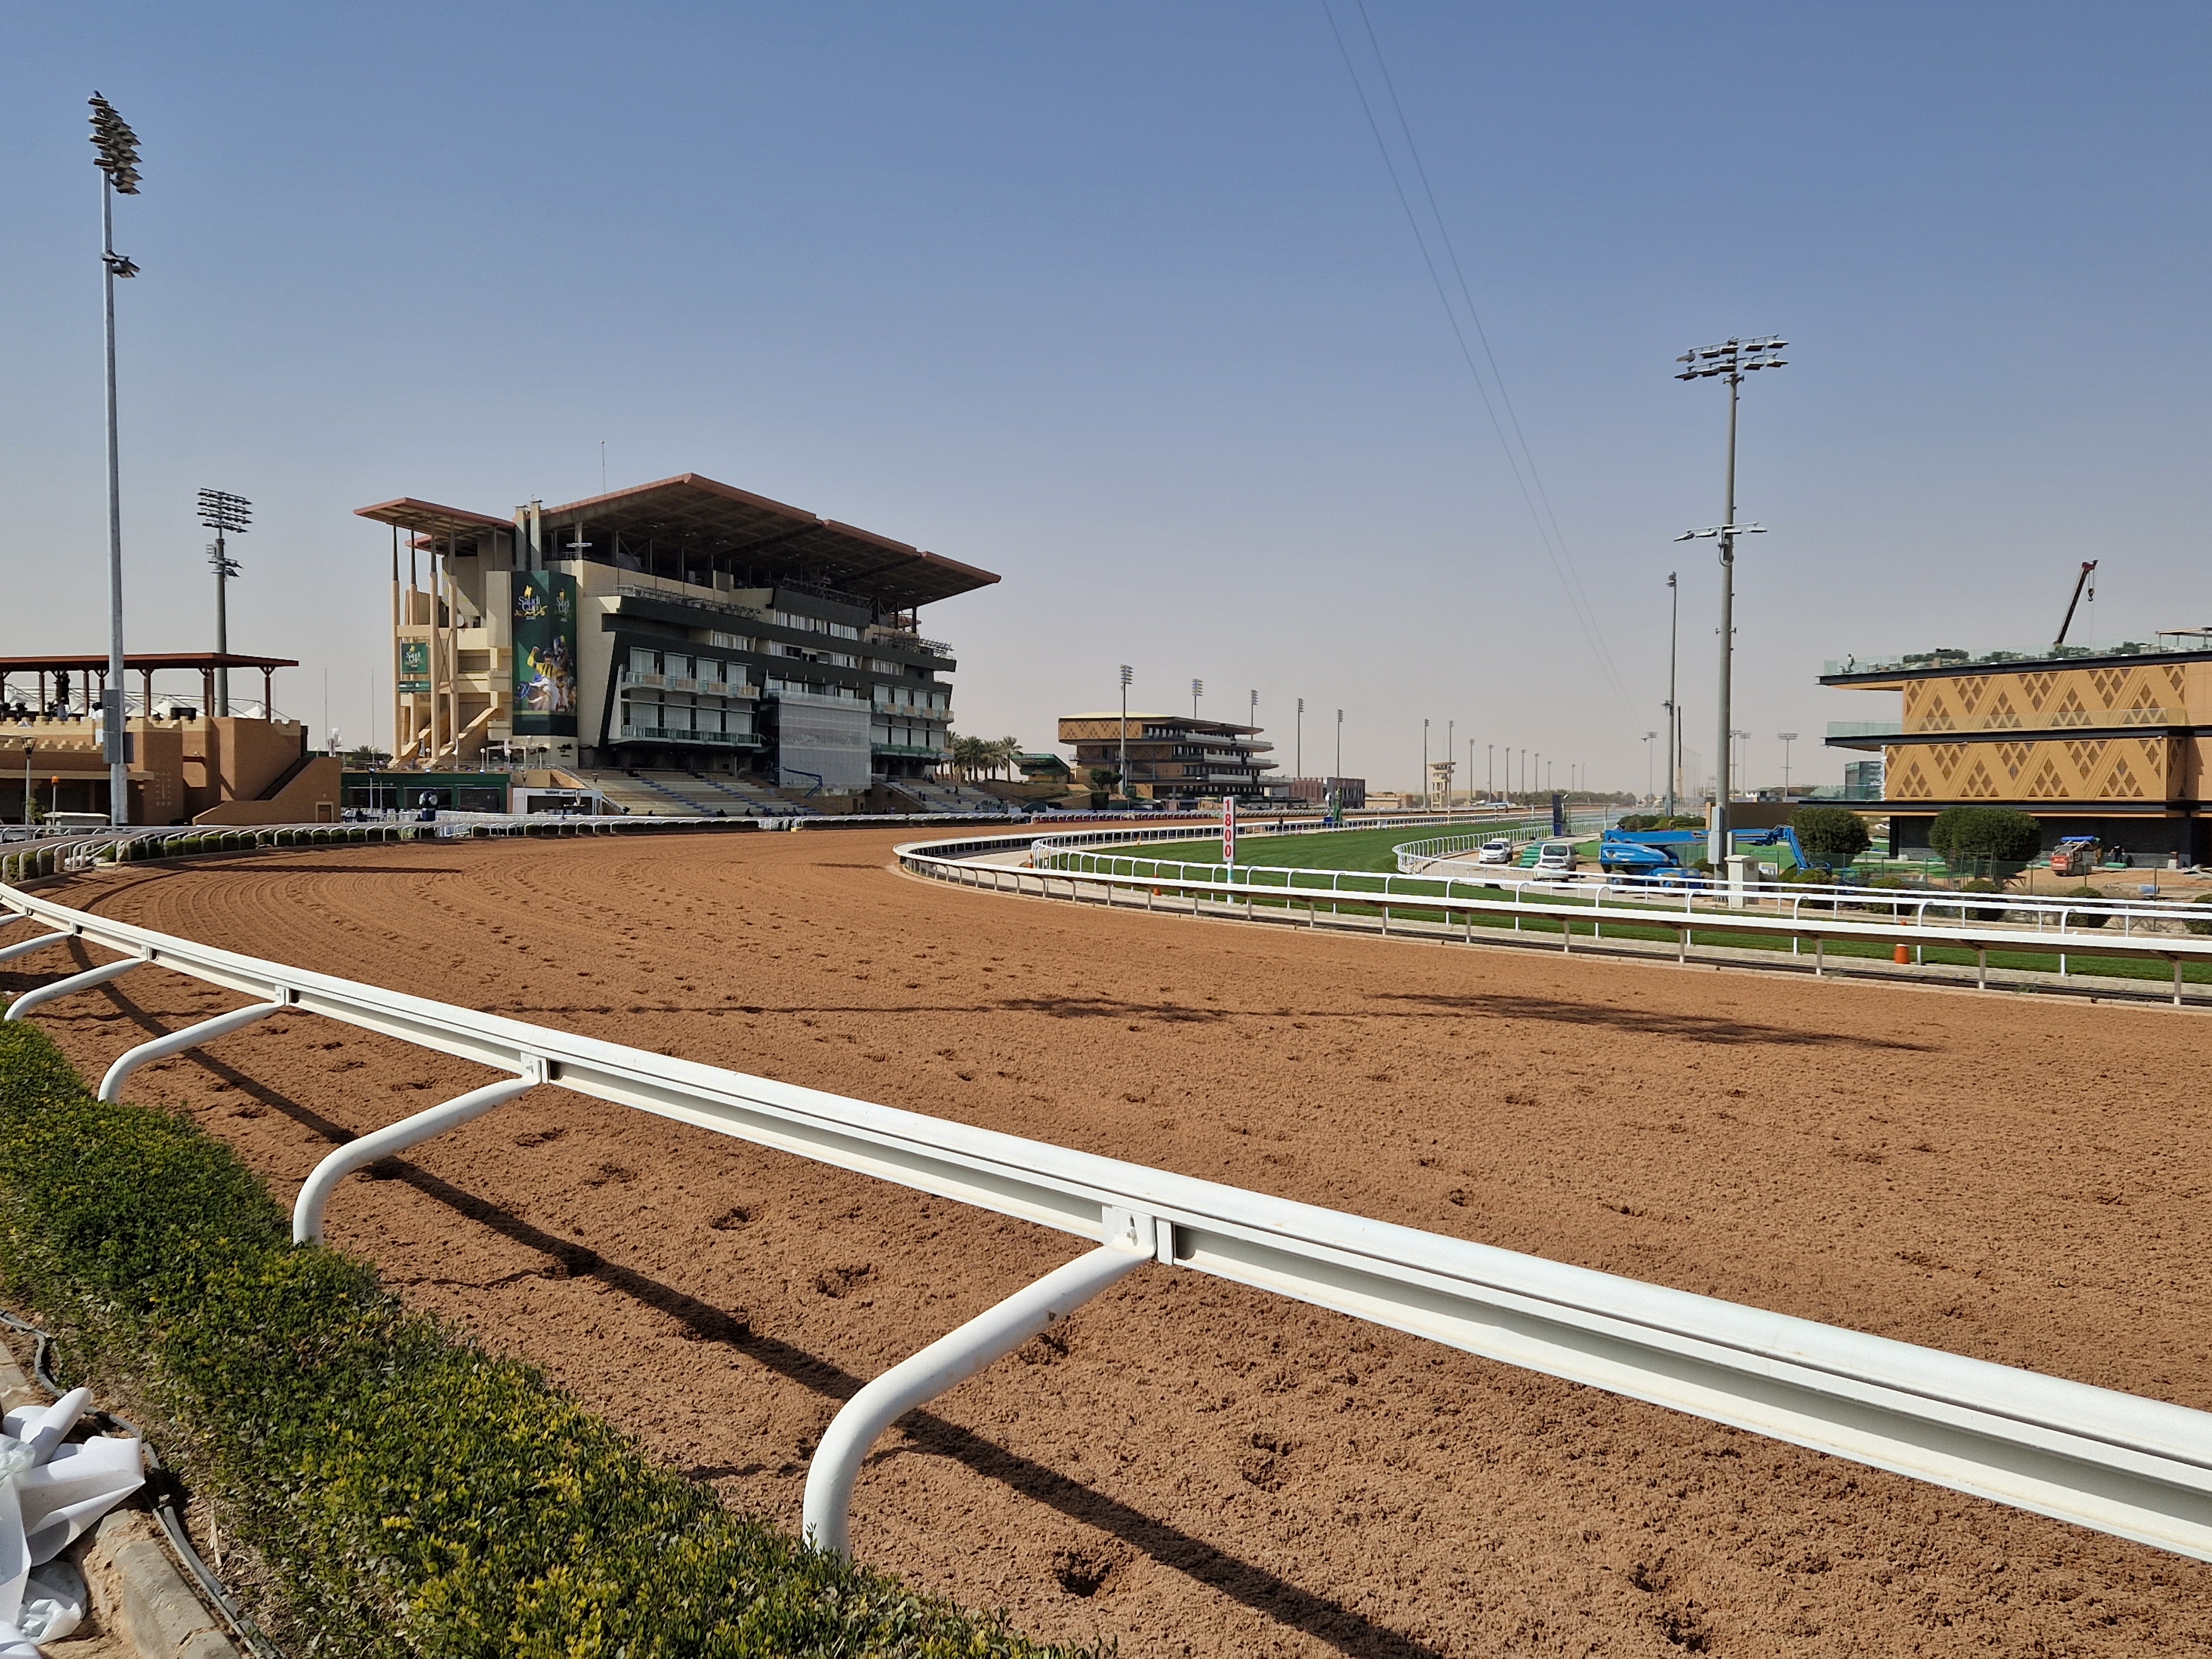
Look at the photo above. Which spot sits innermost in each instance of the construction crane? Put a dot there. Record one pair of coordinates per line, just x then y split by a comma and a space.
2088, 566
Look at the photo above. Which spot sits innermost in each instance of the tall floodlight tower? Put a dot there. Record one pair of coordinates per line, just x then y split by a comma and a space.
1298, 742
1788, 737
116, 148
1124, 762
1673, 717
1197, 690
1732, 359
227, 515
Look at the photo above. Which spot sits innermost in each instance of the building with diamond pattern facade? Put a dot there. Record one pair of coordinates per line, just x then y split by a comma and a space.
2114, 742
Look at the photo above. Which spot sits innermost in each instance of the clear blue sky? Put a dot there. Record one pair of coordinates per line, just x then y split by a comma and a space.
1118, 300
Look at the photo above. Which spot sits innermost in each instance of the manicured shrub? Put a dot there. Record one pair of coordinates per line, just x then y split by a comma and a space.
412, 1494
2199, 928
1830, 834
1969, 836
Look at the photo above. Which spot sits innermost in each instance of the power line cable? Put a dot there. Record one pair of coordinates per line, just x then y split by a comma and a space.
1554, 545
1466, 294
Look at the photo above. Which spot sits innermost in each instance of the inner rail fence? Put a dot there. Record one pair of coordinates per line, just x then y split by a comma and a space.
1484, 909
2118, 1463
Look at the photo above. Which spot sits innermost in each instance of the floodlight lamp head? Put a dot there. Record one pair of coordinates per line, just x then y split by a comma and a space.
117, 146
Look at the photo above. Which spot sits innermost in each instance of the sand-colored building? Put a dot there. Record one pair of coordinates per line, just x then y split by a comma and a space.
684, 626
1174, 757
2114, 742
188, 764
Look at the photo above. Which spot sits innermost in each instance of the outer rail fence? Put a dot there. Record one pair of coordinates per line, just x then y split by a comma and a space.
1071, 867
69, 851
2118, 1463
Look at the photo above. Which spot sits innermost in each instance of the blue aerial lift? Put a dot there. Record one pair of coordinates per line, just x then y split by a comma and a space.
1672, 852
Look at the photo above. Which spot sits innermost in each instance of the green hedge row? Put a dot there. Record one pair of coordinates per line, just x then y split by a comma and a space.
413, 1495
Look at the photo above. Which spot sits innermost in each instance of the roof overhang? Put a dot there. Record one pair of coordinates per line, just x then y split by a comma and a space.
429, 519
143, 661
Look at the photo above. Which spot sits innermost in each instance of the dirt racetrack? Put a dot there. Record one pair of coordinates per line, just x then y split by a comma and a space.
1195, 1467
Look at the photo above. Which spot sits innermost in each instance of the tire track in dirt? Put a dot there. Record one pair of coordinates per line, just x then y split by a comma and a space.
1194, 1468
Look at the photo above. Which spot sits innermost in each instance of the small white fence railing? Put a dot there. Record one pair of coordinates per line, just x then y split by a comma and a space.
1062, 866
2057, 914
2117, 1463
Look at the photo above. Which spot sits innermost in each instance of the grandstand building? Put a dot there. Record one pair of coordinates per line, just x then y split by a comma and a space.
685, 628
1175, 757
2113, 742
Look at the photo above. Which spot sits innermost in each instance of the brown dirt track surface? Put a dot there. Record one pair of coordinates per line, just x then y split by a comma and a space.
1195, 1467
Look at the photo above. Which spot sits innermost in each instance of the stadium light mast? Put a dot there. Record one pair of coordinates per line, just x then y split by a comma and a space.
227, 515
1424, 763
117, 158
1124, 762
1732, 359
1788, 737
1648, 737
1673, 720
1197, 690
1298, 742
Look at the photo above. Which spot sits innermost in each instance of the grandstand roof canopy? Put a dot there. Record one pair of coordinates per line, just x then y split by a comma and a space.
698, 524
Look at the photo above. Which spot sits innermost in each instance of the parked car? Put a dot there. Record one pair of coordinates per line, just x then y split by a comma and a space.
1496, 850
1555, 858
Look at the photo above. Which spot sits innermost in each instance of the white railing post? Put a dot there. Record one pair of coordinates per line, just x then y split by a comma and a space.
315, 1196
946, 1362
62, 988
175, 1042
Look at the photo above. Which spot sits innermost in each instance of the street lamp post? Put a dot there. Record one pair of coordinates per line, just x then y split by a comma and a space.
1788, 737
227, 515
1298, 742
1674, 716
1489, 768
1732, 359
1648, 736
1336, 794
118, 161
1124, 762
1424, 763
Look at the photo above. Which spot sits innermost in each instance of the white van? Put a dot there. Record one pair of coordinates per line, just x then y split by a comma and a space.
1555, 858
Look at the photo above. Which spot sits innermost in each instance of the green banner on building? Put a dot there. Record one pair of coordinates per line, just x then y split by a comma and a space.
414, 665
544, 653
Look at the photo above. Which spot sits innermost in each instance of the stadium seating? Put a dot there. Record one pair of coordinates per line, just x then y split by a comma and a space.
932, 795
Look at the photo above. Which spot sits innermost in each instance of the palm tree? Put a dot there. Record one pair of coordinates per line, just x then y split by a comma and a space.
1004, 753
970, 755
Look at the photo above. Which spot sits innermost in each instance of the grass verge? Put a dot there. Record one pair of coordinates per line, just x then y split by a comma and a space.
410, 1494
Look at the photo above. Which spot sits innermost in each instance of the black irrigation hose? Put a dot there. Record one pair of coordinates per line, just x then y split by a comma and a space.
161, 1485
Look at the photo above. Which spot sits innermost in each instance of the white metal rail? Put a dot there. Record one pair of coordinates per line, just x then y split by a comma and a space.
1437, 859
2136, 1467
1074, 867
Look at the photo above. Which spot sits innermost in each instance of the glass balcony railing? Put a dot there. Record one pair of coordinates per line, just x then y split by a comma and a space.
686, 734
2049, 723
2166, 644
